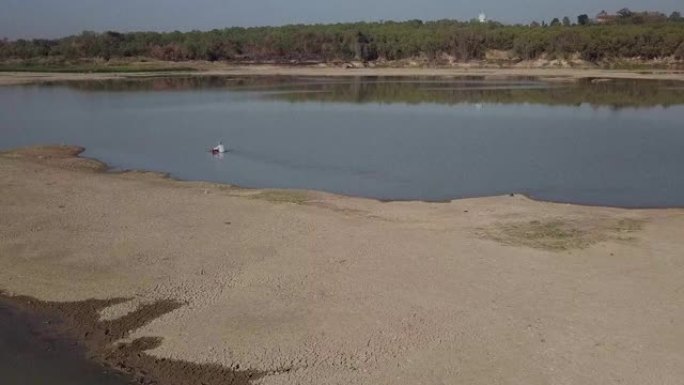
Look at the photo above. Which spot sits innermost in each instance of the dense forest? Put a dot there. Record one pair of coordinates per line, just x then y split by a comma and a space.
628, 35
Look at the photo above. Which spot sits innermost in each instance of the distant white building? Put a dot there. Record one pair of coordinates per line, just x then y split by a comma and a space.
482, 17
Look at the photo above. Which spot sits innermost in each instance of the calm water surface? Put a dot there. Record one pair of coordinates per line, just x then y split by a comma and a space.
618, 143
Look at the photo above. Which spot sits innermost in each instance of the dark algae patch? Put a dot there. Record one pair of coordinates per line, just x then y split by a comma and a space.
78, 325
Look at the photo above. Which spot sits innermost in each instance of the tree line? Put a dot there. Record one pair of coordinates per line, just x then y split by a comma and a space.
432, 40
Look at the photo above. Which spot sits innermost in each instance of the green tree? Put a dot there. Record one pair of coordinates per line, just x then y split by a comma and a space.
566, 21
625, 13
555, 22
675, 16
368, 41
679, 53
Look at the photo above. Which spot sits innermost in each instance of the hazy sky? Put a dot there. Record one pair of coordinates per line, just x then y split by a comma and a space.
55, 18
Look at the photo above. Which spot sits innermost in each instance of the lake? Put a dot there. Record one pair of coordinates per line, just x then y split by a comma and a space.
616, 143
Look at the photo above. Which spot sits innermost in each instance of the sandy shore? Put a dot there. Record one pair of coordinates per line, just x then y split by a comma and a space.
221, 69
313, 288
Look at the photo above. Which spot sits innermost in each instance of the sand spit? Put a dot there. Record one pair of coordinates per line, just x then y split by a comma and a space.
222, 69
310, 288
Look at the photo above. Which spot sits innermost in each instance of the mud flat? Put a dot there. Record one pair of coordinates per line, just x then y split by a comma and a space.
222, 69
67, 342
158, 278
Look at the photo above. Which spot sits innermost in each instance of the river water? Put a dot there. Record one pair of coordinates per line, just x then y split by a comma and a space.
616, 143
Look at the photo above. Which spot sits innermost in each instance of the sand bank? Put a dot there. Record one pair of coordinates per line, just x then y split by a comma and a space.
221, 69
313, 288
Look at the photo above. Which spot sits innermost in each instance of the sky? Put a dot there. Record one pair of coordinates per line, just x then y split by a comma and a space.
57, 18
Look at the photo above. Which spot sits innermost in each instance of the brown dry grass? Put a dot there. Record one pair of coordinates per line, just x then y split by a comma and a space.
282, 196
560, 235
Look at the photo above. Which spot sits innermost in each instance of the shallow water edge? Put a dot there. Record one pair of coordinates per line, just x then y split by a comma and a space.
68, 343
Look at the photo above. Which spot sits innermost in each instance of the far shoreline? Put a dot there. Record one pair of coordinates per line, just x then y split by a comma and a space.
199, 69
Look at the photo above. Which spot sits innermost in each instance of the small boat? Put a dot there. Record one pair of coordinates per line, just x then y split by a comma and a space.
220, 149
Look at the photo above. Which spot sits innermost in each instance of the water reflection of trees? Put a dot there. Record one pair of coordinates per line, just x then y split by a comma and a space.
614, 93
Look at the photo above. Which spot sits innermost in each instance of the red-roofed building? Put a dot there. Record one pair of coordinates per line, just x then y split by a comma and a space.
604, 17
